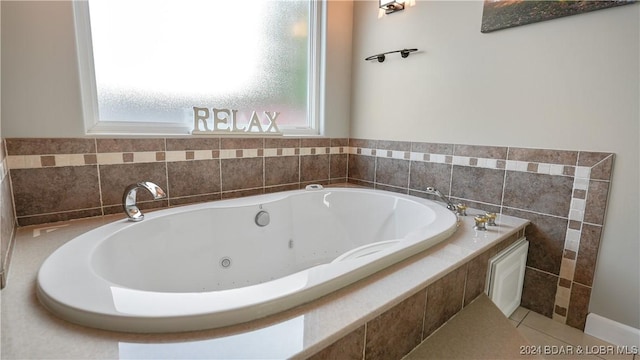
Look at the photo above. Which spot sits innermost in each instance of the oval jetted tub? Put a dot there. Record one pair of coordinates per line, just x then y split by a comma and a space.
225, 262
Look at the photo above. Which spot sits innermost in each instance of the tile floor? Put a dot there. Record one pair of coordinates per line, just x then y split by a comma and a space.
554, 340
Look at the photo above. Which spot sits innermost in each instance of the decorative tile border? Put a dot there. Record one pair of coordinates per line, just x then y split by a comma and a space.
582, 178
487, 163
112, 158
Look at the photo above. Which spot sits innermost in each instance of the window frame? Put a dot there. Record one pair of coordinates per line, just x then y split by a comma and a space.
89, 96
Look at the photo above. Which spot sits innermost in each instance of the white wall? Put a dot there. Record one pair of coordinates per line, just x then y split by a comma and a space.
2, 240
337, 97
40, 70
41, 94
569, 83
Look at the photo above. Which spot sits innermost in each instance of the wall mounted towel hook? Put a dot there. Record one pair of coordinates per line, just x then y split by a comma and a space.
381, 57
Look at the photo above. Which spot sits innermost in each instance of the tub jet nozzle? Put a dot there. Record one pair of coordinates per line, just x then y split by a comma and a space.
262, 218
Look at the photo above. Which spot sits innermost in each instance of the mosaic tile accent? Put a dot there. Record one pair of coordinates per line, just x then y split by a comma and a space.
562, 192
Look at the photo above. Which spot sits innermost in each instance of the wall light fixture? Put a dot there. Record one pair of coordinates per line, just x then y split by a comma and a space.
391, 6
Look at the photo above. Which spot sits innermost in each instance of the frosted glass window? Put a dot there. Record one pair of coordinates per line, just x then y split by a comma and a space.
154, 60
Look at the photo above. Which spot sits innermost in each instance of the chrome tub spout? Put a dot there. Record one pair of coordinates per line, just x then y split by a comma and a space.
129, 198
436, 192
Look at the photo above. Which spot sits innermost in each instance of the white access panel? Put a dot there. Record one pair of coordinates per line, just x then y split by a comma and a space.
505, 277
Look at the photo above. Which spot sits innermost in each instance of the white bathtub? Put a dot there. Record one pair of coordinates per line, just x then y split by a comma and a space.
210, 265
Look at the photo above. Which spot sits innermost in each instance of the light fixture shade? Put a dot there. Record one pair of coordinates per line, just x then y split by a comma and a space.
391, 6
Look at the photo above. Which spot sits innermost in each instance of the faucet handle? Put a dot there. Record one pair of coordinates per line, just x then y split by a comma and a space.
461, 209
481, 222
491, 219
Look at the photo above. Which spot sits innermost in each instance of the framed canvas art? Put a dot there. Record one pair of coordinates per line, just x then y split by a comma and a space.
502, 14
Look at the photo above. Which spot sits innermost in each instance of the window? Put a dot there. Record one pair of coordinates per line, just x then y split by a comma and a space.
145, 64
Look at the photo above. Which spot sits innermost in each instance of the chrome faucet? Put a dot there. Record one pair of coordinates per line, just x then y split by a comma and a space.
450, 205
129, 198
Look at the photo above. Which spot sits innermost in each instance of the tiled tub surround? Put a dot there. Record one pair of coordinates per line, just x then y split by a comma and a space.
63, 179
381, 317
7, 221
563, 193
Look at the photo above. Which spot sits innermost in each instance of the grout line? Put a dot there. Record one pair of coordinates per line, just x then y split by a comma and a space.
264, 164
464, 286
534, 212
189, 196
364, 342
453, 151
424, 312
95, 143
504, 182
557, 338
524, 317
581, 284
13, 197
347, 163
61, 212
166, 172
409, 172
549, 335
299, 164
542, 271
220, 169
598, 163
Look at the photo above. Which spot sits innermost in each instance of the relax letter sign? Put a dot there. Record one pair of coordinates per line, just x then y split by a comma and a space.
225, 121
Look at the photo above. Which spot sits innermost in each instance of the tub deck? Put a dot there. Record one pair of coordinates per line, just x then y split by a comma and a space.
334, 322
